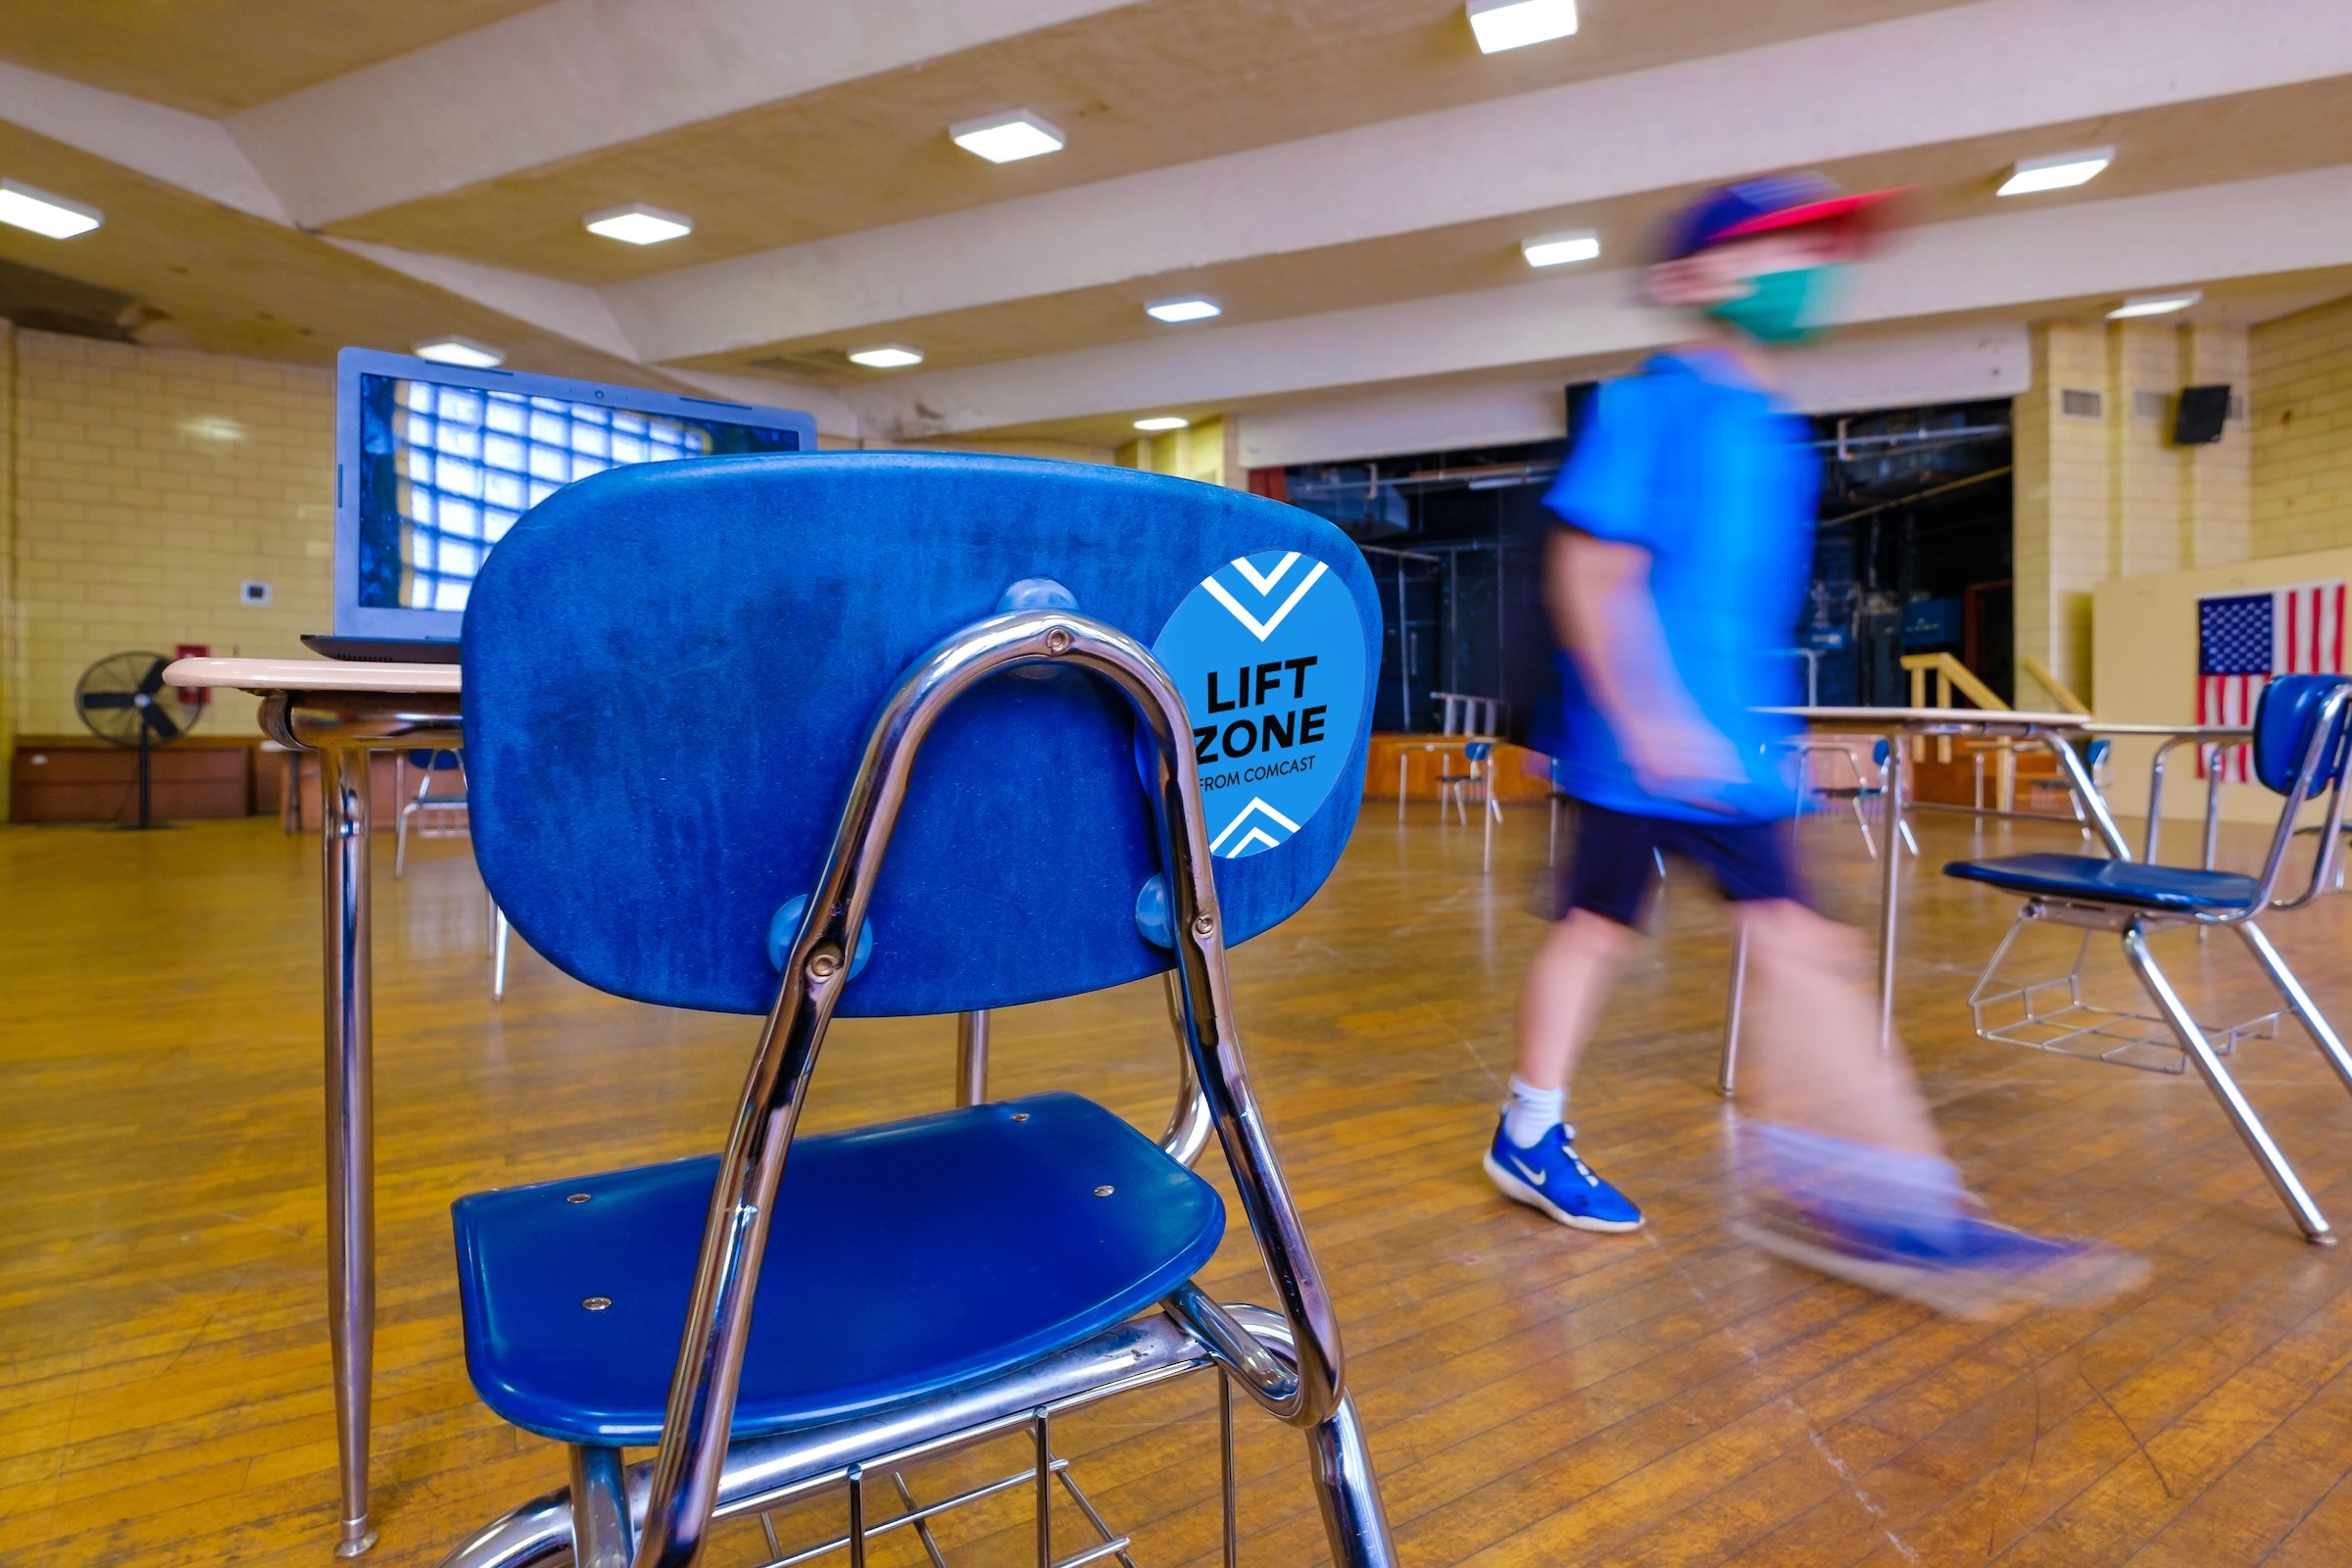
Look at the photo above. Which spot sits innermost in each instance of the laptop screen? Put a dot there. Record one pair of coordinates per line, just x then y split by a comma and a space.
446, 469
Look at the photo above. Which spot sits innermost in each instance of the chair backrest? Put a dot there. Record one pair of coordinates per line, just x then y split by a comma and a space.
435, 761
1478, 751
671, 672
2283, 716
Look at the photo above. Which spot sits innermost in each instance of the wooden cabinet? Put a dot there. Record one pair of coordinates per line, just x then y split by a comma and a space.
70, 779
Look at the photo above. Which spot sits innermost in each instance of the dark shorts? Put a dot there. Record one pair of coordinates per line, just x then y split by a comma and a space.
1615, 862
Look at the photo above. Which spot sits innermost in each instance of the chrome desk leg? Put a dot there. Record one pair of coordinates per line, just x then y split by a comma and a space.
1400, 786
971, 1057
1890, 882
2225, 1088
2213, 802
501, 933
1485, 824
600, 1509
346, 807
2298, 1000
1728, 1076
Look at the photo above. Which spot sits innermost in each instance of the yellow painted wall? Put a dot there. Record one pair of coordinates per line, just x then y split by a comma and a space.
145, 485
11, 672
1059, 450
1209, 451
2147, 662
2302, 374
2061, 489
2108, 495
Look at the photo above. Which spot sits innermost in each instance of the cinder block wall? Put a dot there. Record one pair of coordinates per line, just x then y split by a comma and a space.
146, 485
2303, 432
2102, 493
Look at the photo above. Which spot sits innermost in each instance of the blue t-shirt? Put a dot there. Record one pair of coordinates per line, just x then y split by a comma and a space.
1693, 463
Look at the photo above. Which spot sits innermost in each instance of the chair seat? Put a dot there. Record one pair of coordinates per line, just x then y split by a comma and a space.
903, 1260
2088, 879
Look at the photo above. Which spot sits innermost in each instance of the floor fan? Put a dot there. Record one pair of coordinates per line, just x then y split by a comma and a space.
124, 701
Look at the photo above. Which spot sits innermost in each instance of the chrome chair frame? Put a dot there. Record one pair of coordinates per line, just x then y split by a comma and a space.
2134, 924
1861, 789
658, 1515
423, 801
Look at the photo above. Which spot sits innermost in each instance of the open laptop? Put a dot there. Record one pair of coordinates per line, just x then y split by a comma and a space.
434, 462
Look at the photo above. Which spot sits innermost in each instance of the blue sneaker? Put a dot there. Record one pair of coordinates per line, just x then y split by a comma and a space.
1551, 1177
1956, 1263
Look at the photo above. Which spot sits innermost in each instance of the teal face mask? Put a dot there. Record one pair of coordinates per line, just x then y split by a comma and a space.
1787, 307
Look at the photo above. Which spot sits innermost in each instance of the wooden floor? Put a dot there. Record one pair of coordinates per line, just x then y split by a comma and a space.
1534, 1396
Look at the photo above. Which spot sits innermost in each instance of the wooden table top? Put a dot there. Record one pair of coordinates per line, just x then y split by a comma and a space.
1924, 718
311, 675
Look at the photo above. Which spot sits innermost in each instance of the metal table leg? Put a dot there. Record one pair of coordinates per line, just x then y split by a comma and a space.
1890, 873
971, 1057
346, 807
1726, 1076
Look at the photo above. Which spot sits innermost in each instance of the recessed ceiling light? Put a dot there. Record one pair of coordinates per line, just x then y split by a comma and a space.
1007, 138
888, 357
639, 224
45, 214
1552, 250
1513, 24
465, 351
2155, 304
2055, 173
1192, 309
1163, 422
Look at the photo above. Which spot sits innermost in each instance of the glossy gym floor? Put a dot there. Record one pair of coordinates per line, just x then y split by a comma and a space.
1534, 1396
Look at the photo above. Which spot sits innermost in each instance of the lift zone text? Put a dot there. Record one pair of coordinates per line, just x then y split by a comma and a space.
1276, 683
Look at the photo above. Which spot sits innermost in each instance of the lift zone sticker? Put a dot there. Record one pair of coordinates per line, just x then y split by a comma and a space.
1269, 654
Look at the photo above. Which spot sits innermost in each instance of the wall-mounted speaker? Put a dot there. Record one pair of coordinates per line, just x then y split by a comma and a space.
2200, 415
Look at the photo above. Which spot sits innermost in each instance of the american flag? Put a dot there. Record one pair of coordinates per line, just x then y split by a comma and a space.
2245, 639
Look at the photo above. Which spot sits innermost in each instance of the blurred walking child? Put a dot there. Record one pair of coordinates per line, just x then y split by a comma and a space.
1678, 569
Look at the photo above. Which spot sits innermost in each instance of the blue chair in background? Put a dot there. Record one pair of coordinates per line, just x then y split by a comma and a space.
1479, 780
1866, 796
2300, 739
438, 807
435, 768
931, 730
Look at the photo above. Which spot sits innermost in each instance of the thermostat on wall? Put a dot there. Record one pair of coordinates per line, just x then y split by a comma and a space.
253, 593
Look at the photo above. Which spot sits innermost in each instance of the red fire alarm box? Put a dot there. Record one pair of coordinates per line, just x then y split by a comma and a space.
193, 696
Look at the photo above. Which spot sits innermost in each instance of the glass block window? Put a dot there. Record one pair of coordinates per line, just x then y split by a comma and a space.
470, 462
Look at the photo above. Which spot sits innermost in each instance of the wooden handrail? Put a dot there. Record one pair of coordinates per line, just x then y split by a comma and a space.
1949, 673
2054, 685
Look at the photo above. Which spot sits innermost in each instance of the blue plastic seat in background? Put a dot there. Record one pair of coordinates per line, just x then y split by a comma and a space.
431, 767
934, 734
2302, 728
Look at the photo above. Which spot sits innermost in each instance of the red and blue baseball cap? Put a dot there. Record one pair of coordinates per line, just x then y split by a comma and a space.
1766, 206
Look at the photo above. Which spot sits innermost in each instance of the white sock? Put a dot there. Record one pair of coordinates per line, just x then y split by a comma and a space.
1530, 1113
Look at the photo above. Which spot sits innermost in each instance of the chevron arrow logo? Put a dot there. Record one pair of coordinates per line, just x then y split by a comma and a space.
1258, 836
1265, 584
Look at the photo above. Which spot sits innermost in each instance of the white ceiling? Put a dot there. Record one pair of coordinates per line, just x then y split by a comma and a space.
1349, 176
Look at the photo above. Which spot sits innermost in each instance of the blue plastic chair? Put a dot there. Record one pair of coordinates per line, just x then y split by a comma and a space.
2300, 739
923, 758
432, 765
1456, 787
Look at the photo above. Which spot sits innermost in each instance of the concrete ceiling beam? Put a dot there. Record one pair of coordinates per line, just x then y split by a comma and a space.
1995, 67
169, 145
2012, 261
576, 75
